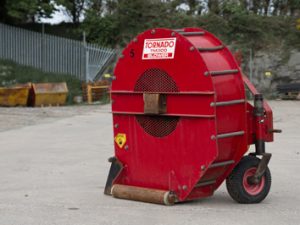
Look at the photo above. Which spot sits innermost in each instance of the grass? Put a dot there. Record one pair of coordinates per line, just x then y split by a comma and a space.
12, 73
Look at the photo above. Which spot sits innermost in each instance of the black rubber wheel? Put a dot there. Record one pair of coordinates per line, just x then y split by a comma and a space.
240, 189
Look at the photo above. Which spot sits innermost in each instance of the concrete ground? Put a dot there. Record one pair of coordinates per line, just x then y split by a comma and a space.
53, 170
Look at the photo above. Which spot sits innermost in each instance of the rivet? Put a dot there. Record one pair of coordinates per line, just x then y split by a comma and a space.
135, 39
153, 31
192, 48
203, 167
116, 125
184, 187
126, 147
213, 137
121, 56
173, 34
212, 104
113, 77
206, 73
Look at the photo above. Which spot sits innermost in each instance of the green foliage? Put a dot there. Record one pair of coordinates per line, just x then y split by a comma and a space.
12, 73
114, 23
126, 19
215, 24
26, 10
234, 24
101, 30
231, 8
21, 10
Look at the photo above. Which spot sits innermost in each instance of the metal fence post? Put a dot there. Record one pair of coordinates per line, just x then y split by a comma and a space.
86, 51
251, 66
43, 48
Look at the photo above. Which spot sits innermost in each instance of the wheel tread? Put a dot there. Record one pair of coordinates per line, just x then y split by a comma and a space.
234, 182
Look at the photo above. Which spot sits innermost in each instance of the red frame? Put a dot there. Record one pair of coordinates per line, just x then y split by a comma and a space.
184, 158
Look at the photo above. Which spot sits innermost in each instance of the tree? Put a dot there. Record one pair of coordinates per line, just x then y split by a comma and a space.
193, 5
97, 5
3, 12
294, 6
266, 5
111, 6
25, 10
256, 6
75, 8
213, 6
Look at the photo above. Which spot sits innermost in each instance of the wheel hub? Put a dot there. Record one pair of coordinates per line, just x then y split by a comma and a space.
252, 189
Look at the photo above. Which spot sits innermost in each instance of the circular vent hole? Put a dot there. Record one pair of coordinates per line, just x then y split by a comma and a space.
158, 126
156, 80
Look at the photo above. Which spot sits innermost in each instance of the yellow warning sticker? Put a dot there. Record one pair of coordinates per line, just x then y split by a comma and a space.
120, 139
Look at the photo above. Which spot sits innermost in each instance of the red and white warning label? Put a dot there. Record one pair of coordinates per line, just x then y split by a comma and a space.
163, 48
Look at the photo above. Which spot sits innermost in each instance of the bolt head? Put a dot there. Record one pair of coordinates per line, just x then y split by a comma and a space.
192, 48
126, 147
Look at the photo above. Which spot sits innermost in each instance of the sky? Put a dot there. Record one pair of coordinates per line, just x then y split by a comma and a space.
60, 15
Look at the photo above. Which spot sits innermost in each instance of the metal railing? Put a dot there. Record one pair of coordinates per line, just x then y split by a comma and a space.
53, 54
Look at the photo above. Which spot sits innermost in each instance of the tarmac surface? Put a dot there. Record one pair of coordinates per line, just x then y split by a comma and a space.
53, 168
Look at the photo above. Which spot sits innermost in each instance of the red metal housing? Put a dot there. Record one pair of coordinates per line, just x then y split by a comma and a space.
180, 114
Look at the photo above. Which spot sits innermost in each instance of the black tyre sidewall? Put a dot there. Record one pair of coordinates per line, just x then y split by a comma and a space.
234, 182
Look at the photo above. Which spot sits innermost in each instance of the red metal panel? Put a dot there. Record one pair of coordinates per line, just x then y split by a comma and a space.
216, 61
172, 162
188, 75
231, 118
266, 133
204, 103
230, 114
168, 163
224, 93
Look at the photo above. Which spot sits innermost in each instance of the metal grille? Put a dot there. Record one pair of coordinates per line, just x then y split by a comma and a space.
156, 80
158, 126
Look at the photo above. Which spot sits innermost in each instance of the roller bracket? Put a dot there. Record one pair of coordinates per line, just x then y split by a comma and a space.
115, 169
261, 169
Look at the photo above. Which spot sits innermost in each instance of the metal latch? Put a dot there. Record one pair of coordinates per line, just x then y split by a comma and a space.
154, 103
